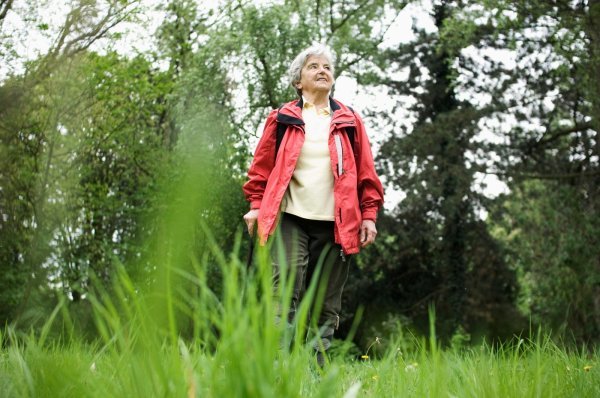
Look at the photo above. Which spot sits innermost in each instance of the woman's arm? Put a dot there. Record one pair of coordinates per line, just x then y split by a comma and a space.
262, 164
370, 190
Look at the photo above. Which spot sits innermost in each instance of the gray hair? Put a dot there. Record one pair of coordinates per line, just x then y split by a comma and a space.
300, 60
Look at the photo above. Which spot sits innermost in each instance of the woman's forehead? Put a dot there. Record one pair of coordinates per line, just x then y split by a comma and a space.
319, 59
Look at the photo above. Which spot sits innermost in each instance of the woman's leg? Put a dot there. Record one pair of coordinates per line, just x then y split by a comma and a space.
331, 279
290, 250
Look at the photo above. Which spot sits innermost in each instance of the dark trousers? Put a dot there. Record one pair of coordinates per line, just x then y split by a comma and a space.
305, 244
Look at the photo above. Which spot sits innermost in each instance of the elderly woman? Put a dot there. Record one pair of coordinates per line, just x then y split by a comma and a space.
313, 176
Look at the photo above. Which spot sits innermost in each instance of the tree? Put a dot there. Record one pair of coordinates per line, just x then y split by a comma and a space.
549, 149
35, 108
444, 254
550, 233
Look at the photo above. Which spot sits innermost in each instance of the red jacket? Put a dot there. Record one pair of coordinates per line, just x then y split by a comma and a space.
357, 191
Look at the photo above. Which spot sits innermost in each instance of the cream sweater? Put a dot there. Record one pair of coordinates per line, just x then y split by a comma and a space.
310, 193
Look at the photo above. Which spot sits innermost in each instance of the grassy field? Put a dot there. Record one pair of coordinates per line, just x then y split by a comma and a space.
232, 346
242, 367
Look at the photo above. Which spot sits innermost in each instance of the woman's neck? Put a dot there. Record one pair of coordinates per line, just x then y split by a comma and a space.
319, 100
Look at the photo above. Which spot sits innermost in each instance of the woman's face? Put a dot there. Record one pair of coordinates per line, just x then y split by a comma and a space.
316, 76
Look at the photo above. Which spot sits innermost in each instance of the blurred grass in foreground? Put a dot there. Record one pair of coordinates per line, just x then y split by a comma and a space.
236, 354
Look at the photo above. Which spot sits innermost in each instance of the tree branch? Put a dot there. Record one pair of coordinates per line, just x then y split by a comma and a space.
5, 5
272, 102
537, 176
348, 16
556, 134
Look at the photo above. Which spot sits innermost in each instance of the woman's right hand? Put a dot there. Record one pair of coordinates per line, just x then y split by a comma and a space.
250, 219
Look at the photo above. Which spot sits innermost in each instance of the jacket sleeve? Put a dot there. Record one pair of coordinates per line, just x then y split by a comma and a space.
262, 164
370, 190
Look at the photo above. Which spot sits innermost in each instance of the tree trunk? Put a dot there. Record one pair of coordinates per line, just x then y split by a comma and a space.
593, 31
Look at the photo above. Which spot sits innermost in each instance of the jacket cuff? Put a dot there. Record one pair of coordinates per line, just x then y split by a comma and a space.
369, 214
255, 204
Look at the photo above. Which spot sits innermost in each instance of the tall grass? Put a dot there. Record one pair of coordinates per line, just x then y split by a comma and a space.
235, 351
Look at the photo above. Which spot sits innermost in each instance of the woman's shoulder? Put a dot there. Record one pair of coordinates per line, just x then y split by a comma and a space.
339, 104
341, 108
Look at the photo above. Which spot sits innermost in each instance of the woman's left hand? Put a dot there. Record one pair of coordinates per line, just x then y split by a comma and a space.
368, 232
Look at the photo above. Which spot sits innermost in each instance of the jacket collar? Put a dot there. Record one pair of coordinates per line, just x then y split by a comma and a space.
340, 112
291, 112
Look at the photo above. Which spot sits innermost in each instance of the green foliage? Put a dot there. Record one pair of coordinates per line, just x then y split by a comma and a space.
551, 240
543, 81
119, 149
87, 142
547, 152
70, 188
511, 88
434, 246
34, 155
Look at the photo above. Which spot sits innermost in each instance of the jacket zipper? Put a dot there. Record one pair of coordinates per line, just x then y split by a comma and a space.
340, 154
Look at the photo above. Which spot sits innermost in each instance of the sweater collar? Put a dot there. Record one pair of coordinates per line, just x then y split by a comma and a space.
291, 112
